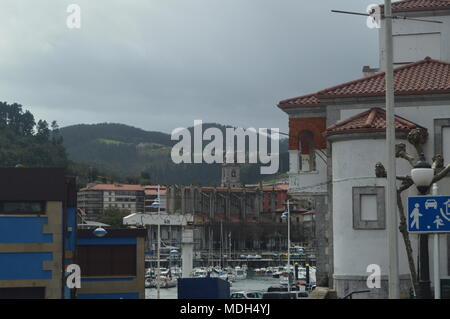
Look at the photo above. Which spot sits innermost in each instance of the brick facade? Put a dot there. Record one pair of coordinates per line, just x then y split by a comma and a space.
316, 125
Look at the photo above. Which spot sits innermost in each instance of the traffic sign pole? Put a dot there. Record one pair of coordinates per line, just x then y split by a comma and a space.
437, 277
436, 256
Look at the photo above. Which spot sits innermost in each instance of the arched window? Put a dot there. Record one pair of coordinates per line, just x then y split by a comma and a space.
307, 152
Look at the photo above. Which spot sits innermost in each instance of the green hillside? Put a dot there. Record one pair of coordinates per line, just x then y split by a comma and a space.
26, 143
106, 152
125, 151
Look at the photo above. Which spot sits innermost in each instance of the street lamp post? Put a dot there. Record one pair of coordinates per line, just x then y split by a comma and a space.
422, 175
287, 215
391, 198
157, 203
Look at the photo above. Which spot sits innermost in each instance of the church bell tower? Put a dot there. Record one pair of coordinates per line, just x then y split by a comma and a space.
231, 175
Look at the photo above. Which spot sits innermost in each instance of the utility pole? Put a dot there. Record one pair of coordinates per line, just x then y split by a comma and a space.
436, 260
289, 246
158, 270
391, 194
221, 243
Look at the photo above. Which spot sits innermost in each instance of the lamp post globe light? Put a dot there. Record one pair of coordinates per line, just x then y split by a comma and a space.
100, 232
422, 175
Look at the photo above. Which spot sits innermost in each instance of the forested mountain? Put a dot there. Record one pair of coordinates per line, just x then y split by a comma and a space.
80, 134
135, 155
23, 142
106, 152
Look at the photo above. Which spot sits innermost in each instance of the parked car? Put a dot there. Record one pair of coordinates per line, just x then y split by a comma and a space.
282, 288
247, 295
285, 295
301, 295
279, 295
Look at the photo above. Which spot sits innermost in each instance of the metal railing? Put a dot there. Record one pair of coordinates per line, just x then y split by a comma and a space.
350, 295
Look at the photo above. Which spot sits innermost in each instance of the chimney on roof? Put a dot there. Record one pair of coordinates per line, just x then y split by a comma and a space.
368, 71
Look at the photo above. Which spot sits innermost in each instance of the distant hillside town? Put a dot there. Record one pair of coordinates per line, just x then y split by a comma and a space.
231, 217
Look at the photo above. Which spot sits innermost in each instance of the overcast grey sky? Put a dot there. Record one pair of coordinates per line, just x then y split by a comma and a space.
160, 64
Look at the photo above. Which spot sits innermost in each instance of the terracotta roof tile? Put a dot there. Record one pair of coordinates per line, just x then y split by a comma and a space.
427, 76
155, 192
301, 101
420, 5
373, 120
424, 77
114, 187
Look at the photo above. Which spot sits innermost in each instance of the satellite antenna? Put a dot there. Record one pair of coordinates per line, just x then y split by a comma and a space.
372, 13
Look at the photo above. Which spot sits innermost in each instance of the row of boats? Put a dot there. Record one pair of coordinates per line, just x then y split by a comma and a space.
168, 276
282, 272
229, 274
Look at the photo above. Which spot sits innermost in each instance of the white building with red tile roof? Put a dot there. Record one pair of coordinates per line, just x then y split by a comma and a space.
95, 198
337, 136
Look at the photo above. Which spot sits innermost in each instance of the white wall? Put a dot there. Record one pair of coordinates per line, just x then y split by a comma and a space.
369, 207
446, 143
353, 165
414, 47
415, 40
294, 165
308, 182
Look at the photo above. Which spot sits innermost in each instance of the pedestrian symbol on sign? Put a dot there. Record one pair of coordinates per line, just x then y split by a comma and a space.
415, 215
438, 221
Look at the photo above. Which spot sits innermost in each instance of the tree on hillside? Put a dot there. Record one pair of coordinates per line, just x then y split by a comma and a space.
56, 134
144, 179
113, 216
23, 142
43, 132
13, 118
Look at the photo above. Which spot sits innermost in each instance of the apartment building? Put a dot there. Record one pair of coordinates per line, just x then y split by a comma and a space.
95, 198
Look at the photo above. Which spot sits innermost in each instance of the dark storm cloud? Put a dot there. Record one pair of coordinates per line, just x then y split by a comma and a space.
160, 64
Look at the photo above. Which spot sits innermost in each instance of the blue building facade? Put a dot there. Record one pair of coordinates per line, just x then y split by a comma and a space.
37, 232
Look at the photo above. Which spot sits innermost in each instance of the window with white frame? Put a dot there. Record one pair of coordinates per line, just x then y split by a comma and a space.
369, 210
